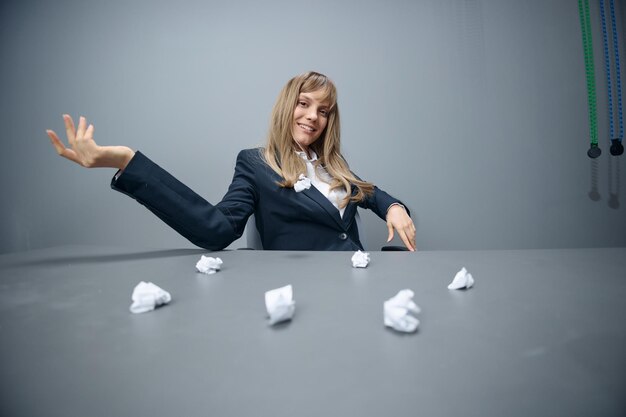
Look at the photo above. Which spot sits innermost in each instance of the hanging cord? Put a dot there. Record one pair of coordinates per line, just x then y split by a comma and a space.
585, 24
607, 68
616, 142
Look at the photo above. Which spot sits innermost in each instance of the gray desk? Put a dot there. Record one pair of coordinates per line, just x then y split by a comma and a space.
543, 333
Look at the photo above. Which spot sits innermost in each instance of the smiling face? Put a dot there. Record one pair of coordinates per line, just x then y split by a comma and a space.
310, 118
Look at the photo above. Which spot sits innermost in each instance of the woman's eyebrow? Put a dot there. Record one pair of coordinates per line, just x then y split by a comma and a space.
323, 104
305, 97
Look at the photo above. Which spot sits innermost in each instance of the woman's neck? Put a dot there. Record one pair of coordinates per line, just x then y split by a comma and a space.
304, 149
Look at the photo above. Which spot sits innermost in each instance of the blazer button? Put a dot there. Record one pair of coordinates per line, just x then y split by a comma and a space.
343, 236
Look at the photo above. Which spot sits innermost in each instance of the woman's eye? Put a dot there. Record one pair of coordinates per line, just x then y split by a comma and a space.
302, 103
324, 113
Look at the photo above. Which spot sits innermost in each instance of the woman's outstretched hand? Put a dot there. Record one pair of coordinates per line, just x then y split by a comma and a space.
398, 219
85, 151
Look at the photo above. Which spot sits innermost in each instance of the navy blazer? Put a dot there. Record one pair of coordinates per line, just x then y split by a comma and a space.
285, 219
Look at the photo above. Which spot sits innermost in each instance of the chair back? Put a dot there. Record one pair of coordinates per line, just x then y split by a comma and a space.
361, 228
253, 238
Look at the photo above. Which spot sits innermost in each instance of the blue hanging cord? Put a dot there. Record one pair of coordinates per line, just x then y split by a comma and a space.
616, 142
607, 68
617, 73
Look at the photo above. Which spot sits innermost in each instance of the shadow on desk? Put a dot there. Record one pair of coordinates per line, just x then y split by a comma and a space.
110, 257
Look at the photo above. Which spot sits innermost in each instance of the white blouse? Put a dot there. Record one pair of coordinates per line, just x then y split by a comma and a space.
321, 179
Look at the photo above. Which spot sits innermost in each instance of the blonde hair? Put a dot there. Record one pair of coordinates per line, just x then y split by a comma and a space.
280, 152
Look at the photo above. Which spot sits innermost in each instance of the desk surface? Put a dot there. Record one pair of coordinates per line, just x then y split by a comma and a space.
542, 333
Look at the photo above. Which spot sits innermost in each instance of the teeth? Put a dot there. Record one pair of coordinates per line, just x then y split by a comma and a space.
310, 129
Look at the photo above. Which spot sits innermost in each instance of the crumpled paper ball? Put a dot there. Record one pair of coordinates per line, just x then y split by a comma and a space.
399, 312
208, 265
147, 296
360, 259
462, 279
280, 304
303, 183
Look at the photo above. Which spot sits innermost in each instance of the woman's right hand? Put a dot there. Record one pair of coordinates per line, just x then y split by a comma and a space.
85, 151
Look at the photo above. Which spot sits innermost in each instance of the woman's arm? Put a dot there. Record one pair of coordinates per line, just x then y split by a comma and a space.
189, 214
85, 151
181, 208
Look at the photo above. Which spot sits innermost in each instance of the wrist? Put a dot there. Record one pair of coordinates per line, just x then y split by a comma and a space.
394, 205
125, 154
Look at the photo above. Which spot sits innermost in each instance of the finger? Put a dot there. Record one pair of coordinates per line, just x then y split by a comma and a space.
56, 142
82, 127
410, 232
89, 132
390, 228
406, 240
60, 147
70, 129
411, 237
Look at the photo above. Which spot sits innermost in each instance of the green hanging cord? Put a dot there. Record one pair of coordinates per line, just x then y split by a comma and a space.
592, 80
585, 23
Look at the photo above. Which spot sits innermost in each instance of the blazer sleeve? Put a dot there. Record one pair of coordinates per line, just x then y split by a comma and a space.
379, 202
209, 226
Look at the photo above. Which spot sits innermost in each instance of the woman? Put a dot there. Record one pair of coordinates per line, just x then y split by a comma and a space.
299, 186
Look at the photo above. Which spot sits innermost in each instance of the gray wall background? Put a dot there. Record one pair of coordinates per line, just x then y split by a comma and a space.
474, 112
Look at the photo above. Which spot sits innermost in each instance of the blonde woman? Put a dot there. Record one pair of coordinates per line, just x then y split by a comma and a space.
299, 187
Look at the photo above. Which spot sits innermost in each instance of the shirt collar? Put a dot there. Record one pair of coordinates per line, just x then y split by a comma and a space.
304, 156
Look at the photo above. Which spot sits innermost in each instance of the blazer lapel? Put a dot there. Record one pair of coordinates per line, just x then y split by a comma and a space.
315, 195
348, 214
